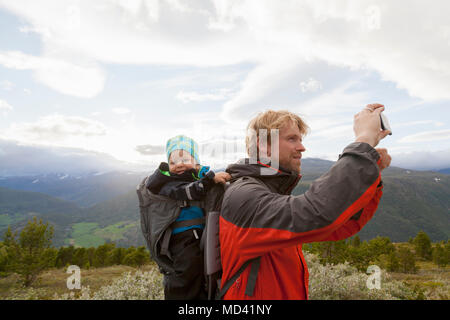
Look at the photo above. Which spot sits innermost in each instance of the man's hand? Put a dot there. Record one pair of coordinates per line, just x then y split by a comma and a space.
222, 177
385, 158
367, 125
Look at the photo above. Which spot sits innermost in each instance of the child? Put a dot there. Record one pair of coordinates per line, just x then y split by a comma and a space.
183, 178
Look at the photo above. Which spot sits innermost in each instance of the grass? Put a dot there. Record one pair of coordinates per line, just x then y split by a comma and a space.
5, 220
55, 281
8, 219
115, 232
432, 281
88, 234
83, 235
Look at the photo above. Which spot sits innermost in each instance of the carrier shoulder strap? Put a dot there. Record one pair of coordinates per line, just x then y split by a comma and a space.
141, 199
180, 224
251, 281
190, 203
215, 208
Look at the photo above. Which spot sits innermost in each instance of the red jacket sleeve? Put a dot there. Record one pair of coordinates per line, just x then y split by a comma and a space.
256, 220
353, 226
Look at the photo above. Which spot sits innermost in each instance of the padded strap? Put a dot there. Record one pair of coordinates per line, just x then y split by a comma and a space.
251, 281
187, 223
165, 243
190, 203
202, 241
141, 199
168, 233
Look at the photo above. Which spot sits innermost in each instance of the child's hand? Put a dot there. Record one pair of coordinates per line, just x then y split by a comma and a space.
222, 177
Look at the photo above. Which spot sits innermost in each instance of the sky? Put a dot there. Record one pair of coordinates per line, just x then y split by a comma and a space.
120, 77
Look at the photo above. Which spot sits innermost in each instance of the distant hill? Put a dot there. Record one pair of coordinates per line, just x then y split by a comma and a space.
122, 212
113, 220
83, 189
412, 201
17, 207
19, 159
445, 171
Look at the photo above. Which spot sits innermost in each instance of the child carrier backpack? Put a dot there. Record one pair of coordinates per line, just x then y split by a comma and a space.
158, 214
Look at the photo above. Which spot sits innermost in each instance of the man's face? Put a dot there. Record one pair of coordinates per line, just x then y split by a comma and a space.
290, 147
180, 161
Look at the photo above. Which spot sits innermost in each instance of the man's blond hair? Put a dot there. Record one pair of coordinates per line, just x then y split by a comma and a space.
271, 119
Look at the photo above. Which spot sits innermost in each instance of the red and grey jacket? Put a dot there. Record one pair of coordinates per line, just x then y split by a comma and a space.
265, 220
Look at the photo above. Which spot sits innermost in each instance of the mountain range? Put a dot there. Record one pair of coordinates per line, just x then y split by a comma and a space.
92, 208
84, 190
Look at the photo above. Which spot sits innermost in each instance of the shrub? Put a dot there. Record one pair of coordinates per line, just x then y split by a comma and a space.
440, 256
101, 254
357, 253
422, 245
30, 254
64, 256
344, 282
116, 256
136, 286
407, 261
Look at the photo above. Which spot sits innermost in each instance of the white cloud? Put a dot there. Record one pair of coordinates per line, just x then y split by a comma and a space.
148, 149
355, 34
373, 17
419, 122
311, 85
25, 158
134, 8
339, 100
131, 32
220, 153
6, 85
55, 128
80, 80
426, 136
216, 78
335, 132
5, 106
260, 82
423, 160
192, 96
121, 111
276, 42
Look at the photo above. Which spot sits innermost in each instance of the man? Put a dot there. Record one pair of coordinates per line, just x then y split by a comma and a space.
260, 218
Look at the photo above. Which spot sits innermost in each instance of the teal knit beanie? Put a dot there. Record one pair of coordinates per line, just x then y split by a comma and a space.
182, 142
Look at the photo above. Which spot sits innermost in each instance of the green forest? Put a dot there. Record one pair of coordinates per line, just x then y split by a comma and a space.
382, 252
31, 251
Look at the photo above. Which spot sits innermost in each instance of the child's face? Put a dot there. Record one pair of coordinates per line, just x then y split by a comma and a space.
180, 161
